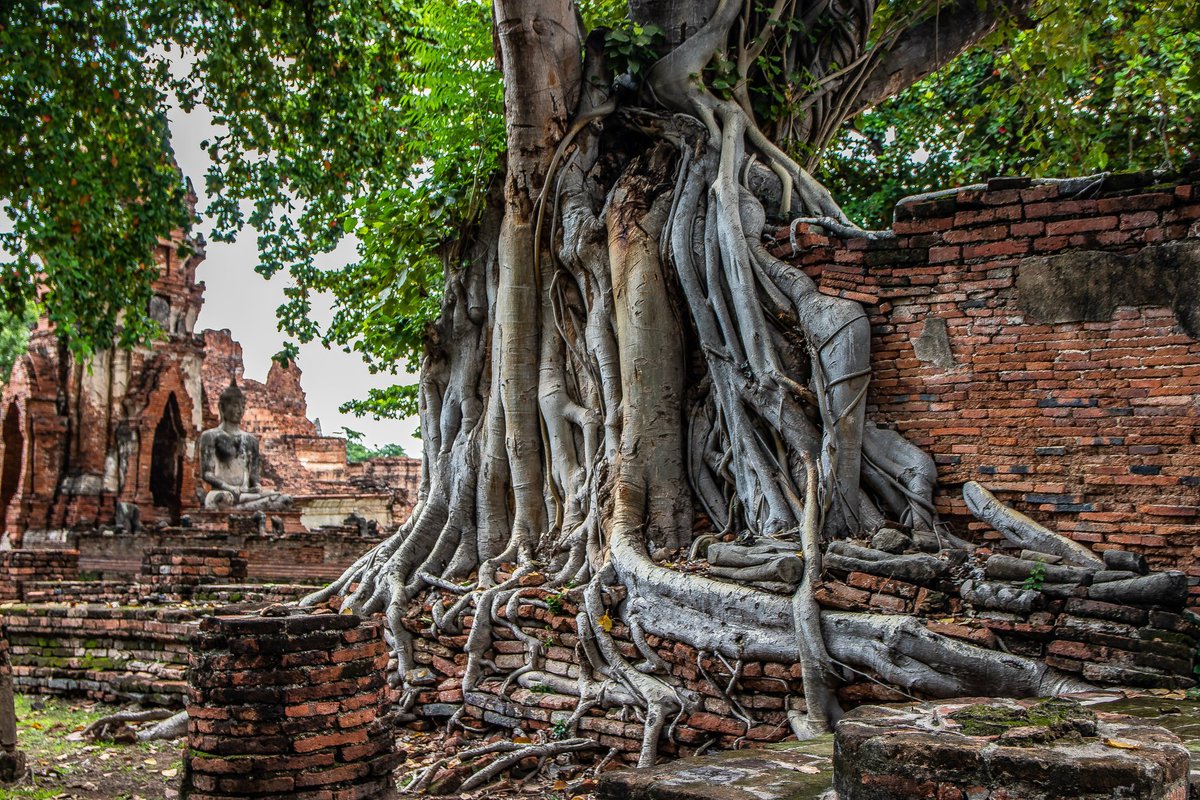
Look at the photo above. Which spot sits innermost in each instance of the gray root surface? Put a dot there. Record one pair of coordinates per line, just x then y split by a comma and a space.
619, 349
1023, 531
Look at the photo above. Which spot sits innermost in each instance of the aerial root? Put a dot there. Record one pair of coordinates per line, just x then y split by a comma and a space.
467, 776
115, 727
1021, 530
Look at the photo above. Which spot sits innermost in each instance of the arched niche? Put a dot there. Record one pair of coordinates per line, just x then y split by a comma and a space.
166, 459
10, 465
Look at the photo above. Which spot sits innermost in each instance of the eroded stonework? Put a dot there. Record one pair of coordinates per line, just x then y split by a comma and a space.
112, 443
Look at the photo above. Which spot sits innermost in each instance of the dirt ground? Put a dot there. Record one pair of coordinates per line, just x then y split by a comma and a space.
65, 766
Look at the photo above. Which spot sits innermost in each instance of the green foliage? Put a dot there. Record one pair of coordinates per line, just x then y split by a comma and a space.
86, 174
632, 48
1111, 85
356, 451
393, 402
410, 219
14, 337
560, 730
1037, 577
371, 117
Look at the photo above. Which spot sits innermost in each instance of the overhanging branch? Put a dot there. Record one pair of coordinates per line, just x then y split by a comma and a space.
929, 45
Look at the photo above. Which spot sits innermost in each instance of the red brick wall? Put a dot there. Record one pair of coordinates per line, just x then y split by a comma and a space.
1090, 427
316, 687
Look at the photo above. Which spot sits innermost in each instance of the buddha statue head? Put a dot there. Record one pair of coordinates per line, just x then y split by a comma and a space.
232, 404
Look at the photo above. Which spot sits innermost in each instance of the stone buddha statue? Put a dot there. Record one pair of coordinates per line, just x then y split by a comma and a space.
230, 463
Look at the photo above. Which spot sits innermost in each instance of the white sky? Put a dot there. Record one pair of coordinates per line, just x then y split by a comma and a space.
241, 300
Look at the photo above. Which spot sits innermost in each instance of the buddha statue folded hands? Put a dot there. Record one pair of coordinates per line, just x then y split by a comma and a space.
230, 463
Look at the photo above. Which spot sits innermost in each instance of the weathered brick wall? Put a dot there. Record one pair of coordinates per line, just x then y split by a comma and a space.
18, 568
118, 647
179, 570
291, 707
1106, 644
110, 654
1090, 426
310, 557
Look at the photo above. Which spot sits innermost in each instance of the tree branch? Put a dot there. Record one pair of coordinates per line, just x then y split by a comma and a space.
929, 45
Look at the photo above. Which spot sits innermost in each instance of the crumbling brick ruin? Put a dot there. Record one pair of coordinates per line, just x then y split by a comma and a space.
1040, 339
1044, 345
109, 446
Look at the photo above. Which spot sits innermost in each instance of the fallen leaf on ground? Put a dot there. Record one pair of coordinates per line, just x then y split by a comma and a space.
1122, 744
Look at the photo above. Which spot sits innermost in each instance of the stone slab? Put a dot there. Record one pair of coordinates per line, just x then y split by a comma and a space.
769, 774
921, 751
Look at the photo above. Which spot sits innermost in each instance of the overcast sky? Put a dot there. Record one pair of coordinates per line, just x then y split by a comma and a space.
241, 300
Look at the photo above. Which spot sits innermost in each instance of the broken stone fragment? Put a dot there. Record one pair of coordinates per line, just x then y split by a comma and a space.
1125, 560
890, 540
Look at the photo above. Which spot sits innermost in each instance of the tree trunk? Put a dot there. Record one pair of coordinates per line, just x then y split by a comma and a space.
621, 351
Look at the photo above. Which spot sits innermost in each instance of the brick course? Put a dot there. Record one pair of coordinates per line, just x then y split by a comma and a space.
18, 568
289, 707
1089, 427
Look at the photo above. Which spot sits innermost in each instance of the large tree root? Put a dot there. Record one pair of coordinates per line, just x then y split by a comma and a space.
581, 396
1023, 531
170, 725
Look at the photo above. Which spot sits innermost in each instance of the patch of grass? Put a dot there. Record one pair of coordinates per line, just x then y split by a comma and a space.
44, 722
59, 765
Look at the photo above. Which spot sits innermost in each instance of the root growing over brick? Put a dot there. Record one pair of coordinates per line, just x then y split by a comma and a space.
621, 349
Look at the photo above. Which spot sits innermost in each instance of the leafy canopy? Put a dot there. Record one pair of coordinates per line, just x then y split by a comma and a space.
14, 336
383, 120
1111, 85
357, 451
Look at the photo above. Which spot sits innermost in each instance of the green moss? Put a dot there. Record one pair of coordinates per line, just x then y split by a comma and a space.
982, 719
1059, 717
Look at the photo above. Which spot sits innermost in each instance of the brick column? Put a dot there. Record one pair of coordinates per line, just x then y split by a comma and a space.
289, 707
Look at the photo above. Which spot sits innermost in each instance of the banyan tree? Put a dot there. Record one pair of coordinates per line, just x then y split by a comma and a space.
620, 362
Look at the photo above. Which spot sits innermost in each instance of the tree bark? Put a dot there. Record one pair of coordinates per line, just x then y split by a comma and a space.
622, 349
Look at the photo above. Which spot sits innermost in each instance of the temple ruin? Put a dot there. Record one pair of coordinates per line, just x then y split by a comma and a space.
1035, 342
101, 455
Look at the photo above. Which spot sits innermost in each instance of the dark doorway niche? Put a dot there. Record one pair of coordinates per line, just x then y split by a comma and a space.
10, 470
166, 459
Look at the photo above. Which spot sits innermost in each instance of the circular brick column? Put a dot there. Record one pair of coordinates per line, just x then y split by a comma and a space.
289, 707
